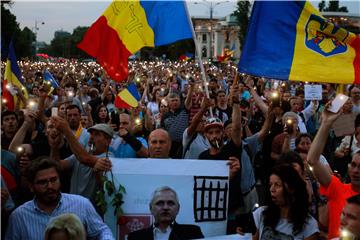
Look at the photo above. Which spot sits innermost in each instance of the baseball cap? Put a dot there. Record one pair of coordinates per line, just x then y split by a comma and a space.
213, 122
102, 127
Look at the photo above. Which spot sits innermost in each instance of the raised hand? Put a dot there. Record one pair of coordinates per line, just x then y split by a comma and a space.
234, 165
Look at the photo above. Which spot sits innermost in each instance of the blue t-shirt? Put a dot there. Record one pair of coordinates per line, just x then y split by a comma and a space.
121, 149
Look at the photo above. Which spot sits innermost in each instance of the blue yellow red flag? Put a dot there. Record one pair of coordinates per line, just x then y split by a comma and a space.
13, 77
290, 40
128, 97
127, 26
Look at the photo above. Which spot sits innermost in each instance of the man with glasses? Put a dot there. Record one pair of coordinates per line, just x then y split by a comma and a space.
29, 220
331, 187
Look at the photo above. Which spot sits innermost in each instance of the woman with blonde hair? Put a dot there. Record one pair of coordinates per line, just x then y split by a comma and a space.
65, 227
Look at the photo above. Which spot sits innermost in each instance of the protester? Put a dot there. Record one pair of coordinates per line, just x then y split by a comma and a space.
174, 104
335, 191
30, 219
9, 126
66, 227
286, 215
350, 219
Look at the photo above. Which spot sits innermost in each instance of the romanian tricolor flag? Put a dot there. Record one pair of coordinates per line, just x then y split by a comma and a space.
12, 78
186, 57
128, 97
127, 26
290, 40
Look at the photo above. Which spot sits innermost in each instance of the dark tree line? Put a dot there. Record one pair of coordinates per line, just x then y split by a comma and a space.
23, 39
64, 45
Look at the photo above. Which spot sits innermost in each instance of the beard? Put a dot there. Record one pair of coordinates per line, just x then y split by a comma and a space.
49, 197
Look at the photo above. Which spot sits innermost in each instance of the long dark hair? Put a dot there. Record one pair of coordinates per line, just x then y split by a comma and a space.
97, 119
295, 195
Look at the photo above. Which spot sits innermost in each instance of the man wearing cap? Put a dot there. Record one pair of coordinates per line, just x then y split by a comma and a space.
242, 193
84, 163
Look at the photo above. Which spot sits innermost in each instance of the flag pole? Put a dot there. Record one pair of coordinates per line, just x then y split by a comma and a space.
198, 53
203, 76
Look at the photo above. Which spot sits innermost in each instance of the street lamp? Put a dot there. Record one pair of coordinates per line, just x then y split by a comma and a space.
36, 28
211, 6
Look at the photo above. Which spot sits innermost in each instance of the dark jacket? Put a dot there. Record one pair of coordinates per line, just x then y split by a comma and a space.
178, 232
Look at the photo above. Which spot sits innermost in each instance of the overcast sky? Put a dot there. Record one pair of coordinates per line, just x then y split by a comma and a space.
67, 15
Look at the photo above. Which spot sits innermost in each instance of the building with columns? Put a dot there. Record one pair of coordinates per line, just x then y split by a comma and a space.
216, 34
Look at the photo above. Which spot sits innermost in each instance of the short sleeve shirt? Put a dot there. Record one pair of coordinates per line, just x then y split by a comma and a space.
284, 229
337, 193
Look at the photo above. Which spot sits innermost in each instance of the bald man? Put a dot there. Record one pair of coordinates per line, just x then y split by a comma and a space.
159, 144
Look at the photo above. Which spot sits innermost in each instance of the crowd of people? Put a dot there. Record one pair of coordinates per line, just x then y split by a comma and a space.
283, 151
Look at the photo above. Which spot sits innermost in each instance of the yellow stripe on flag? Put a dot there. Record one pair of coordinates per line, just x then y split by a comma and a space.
127, 97
129, 20
13, 80
331, 69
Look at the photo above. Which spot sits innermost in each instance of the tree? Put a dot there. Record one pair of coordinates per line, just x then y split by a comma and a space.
25, 43
23, 39
9, 26
322, 6
242, 15
334, 6
76, 37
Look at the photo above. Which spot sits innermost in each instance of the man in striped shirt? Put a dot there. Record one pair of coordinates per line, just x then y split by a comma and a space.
29, 220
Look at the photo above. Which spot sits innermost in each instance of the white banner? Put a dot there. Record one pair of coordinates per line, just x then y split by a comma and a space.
201, 185
312, 92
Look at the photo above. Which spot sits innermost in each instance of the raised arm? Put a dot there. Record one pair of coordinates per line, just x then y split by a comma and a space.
20, 134
205, 105
269, 118
317, 146
236, 118
81, 154
258, 100
106, 90
188, 100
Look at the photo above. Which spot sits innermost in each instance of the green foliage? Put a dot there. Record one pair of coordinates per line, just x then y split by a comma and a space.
26, 43
116, 194
333, 6
322, 6
242, 15
23, 39
172, 51
64, 44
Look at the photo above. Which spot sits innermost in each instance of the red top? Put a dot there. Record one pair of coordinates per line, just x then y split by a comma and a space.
337, 193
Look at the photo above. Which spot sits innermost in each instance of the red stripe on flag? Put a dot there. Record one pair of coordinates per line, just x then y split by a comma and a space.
119, 103
356, 45
6, 95
103, 43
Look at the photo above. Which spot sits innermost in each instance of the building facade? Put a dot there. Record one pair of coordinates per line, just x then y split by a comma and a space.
216, 34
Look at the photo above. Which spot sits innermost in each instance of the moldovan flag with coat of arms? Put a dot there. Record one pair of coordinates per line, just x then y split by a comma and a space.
290, 40
13, 77
127, 26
